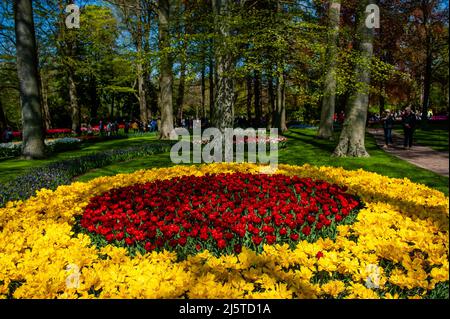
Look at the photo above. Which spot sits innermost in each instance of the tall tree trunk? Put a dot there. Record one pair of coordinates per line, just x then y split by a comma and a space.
249, 81
427, 83
111, 114
143, 115
75, 113
3, 122
46, 119
272, 102
179, 103
352, 138
68, 55
140, 67
281, 79
93, 97
280, 112
224, 84
258, 105
283, 127
211, 85
329, 96
147, 25
27, 69
382, 98
181, 87
203, 89
166, 77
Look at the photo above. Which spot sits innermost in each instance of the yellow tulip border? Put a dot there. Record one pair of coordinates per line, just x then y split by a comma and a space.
397, 248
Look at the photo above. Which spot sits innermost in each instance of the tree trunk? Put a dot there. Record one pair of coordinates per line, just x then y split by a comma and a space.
68, 53
249, 97
180, 96
329, 96
141, 93
45, 110
75, 113
283, 127
352, 138
272, 103
93, 97
211, 86
224, 82
258, 106
3, 122
166, 77
140, 68
27, 69
427, 83
111, 114
203, 89
281, 79
280, 107
382, 99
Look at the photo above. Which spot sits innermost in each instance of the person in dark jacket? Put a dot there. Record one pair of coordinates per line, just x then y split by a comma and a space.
7, 136
388, 124
409, 125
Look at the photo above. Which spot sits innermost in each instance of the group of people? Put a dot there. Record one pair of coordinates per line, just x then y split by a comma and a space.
7, 135
140, 127
408, 119
109, 129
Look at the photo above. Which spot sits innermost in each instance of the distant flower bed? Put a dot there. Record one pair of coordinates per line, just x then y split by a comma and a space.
303, 126
92, 129
439, 118
55, 132
9, 150
280, 141
101, 138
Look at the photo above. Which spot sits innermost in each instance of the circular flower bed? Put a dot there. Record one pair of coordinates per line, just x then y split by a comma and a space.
394, 247
220, 212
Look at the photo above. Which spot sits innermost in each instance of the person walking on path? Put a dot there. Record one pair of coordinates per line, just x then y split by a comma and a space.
388, 124
409, 125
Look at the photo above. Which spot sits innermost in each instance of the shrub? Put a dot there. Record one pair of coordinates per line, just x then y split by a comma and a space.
8, 150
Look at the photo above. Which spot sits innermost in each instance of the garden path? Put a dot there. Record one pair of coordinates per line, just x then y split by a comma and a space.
419, 155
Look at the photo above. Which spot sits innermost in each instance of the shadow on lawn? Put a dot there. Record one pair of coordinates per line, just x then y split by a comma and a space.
323, 145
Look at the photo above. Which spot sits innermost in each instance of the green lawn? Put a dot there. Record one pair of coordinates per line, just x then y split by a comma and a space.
303, 148
13, 167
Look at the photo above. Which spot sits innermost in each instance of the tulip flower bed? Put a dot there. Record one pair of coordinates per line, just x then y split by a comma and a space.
393, 243
221, 213
281, 141
51, 133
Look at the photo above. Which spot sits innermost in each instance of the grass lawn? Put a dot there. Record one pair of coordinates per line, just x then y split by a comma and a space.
303, 148
13, 167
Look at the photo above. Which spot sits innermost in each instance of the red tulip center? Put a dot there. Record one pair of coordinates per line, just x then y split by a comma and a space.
221, 213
